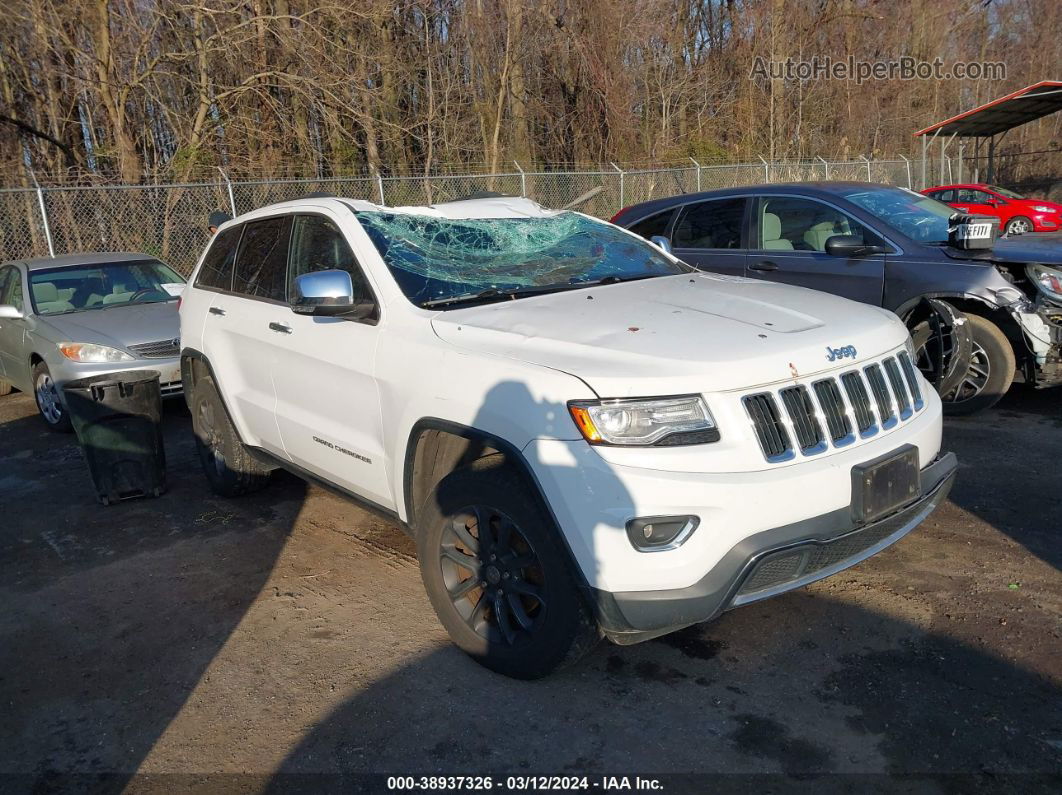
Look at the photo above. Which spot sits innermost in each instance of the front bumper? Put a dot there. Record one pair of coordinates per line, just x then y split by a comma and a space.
63, 371
769, 563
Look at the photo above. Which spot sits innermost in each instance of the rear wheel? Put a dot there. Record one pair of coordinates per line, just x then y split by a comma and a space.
227, 464
49, 402
498, 576
1018, 225
990, 372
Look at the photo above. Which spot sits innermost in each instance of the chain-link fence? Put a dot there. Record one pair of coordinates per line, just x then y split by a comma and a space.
170, 221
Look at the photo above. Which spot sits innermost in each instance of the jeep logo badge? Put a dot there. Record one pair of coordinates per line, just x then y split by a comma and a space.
845, 352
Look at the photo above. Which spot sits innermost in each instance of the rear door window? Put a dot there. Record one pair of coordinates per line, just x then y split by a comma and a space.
262, 261
216, 272
712, 224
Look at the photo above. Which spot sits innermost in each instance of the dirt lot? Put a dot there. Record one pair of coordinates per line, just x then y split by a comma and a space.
288, 633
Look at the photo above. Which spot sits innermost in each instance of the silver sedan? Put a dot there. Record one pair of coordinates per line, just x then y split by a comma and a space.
64, 318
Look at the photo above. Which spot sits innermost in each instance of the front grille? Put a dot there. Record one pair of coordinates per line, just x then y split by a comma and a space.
898, 388
163, 349
881, 394
772, 435
860, 400
837, 422
791, 419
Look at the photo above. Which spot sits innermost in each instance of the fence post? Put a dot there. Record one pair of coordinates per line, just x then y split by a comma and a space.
698, 174
44, 214
908, 164
962, 150
864, 158
766, 169
623, 199
523, 180
379, 187
228, 184
825, 168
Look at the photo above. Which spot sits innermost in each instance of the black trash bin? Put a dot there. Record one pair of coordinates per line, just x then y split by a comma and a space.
118, 419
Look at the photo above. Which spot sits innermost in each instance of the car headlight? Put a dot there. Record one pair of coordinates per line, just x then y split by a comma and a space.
90, 353
1042, 209
1047, 279
649, 421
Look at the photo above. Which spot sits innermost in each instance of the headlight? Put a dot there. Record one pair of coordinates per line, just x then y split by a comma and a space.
1041, 209
90, 353
663, 421
1047, 279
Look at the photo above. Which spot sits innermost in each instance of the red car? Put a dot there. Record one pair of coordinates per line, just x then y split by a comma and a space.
1017, 215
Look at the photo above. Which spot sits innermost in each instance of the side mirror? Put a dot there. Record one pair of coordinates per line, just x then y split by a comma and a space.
329, 294
849, 246
8, 312
661, 242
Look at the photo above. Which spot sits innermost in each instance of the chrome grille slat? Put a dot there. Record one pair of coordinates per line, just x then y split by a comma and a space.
911, 373
801, 412
860, 400
899, 391
886, 415
772, 435
835, 411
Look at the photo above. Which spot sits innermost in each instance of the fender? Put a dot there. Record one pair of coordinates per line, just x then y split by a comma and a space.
907, 306
603, 609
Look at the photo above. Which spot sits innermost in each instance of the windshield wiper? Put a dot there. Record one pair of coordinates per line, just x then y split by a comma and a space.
492, 294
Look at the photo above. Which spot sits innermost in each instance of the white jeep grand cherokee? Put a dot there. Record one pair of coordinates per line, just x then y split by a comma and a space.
583, 434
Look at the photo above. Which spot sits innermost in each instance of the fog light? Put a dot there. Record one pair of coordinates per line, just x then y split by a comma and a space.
656, 533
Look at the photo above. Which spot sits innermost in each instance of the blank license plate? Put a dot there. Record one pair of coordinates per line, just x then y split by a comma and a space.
882, 486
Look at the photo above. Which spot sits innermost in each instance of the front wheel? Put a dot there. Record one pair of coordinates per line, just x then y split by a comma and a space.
1018, 225
228, 465
49, 402
989, 374
498, 575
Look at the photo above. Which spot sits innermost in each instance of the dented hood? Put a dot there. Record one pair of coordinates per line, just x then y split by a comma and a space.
689, 333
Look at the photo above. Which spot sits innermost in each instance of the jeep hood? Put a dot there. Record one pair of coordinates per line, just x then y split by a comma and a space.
689, 333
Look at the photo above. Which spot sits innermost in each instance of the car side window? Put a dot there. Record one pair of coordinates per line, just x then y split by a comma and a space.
653, 225
317, 244
971, 196
945, 196
217, 264
11, 288
789, 223
712, 224
262, 260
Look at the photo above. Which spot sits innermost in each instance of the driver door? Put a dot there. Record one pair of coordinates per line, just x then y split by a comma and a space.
12, 332
788, 245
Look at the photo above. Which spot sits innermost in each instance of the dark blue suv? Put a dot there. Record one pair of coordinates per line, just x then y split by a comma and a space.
886, 246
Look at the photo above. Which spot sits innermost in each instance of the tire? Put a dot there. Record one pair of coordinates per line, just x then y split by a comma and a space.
49, 403
229, 467
5, 388
1018, 225
990, 373
520, 613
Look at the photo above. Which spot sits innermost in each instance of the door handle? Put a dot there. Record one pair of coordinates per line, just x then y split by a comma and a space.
217, 310
283, 328
763, 265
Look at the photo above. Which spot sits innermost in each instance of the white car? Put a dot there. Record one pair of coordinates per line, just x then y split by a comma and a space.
584, 435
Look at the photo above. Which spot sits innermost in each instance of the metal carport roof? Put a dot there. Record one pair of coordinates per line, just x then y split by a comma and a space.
999, 115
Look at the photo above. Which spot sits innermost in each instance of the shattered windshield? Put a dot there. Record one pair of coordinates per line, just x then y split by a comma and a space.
438, 261
919, 217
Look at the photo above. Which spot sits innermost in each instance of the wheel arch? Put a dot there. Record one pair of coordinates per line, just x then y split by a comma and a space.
971, 304
436, 447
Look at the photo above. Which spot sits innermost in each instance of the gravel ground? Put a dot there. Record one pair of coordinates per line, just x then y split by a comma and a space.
288, 633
